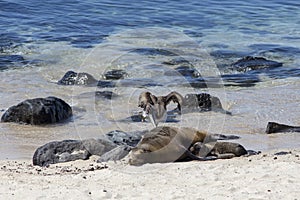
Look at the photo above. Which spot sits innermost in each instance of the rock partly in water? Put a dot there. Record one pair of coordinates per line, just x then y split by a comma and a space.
115, 74
249, 63
202, 102
274, 127
38, 111
74, 78
186, 71
178, 61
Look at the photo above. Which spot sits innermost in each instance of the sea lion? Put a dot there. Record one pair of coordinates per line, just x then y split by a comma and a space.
167, 144
156, 106
219, 150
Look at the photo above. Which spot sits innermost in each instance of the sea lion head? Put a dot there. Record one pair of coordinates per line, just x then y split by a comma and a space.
138, 156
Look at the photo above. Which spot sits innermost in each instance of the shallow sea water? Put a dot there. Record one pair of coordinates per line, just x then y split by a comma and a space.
209, 35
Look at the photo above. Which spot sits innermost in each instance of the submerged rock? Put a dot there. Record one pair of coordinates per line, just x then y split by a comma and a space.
254, 63
38, 111
99, 95
185, 71
115, 74
177, 61
8, 61
153, 52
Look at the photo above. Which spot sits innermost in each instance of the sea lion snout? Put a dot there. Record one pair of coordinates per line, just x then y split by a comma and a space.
135, 156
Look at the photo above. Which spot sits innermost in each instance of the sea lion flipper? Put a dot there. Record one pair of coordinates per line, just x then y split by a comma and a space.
192, 156
226, 156
252, 152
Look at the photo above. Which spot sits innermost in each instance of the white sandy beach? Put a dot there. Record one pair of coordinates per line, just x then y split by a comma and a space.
263, 176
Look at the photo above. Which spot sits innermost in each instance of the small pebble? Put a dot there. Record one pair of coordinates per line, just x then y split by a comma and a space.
282, 153
91, 169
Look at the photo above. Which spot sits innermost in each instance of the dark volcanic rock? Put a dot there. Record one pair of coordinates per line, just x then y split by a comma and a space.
153, 52
202, 102
69, 150
112, 146
185, 71
115, 154
274, 127
74, 78
38, 111
105, 94
115, 74
177, 61
254, 63
60, 151
15, 61
124, 138
98, 146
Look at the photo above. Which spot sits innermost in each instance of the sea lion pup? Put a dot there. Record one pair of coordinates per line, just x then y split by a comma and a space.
219, 150
156, 106
167, 144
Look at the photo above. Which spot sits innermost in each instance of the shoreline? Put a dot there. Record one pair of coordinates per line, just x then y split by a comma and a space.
263, 176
